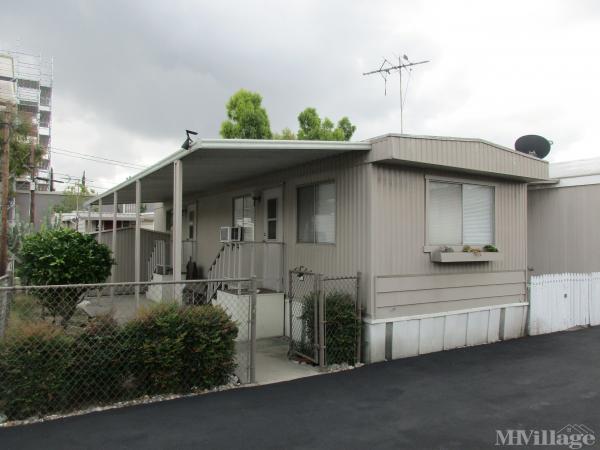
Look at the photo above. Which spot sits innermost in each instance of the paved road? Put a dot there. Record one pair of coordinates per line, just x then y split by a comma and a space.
454, 399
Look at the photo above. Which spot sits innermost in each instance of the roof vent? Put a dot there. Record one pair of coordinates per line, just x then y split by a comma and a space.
533, 145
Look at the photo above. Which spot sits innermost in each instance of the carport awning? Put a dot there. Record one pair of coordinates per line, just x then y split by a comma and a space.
212, 163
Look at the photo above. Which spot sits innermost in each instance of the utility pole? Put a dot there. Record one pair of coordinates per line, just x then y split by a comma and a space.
7, 116
388, 68
32, 185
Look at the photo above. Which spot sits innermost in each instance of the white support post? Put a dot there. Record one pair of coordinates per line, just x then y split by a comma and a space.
138, 238
88, 225
114, 237
100, 227
177, 218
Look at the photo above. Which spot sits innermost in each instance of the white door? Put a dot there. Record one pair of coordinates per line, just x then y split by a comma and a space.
273, 238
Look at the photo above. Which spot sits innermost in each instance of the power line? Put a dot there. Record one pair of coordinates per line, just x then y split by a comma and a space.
99, 159
388, 68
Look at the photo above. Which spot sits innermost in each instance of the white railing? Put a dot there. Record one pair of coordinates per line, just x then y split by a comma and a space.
159, 258
562, 301
263, 260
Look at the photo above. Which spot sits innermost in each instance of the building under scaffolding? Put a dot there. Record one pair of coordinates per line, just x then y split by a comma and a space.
31, 80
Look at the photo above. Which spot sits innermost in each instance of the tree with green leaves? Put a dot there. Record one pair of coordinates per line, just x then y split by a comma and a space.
285, 135
312, 128
63, 256
73, 198
246, 118
20, 147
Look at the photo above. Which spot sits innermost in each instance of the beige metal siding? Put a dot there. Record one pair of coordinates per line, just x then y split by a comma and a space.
349, 254
398, 234
465, 155
563, 234
124, 255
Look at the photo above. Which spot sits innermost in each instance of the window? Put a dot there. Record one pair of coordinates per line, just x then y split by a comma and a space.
316, 213
459, 214
243, 216
272, 218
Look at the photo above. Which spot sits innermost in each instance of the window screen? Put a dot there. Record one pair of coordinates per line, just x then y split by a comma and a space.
316, 213
460, 214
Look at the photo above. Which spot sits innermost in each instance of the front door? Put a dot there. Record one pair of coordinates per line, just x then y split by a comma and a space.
273, 238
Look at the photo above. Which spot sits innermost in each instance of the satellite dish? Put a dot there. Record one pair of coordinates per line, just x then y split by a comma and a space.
532, 144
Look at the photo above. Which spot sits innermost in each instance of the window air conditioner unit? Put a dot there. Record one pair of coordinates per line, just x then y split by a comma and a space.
230, 234
225, 234
236, 234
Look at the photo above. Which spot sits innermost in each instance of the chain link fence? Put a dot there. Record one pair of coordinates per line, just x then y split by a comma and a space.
69, 347
325, 318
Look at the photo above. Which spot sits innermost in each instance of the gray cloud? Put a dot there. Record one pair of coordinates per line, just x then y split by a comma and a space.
145, 71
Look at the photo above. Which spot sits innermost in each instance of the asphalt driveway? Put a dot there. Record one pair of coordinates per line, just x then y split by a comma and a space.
454, 399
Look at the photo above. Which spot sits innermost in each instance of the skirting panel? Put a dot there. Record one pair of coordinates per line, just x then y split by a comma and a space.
418, 335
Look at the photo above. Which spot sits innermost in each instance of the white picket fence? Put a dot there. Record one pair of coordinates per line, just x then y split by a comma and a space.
558, 302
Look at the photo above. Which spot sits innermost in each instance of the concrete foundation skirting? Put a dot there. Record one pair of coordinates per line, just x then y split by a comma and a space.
401, 337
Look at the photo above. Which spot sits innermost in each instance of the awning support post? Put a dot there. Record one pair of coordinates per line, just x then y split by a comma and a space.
114, 237
138, 239
177, 218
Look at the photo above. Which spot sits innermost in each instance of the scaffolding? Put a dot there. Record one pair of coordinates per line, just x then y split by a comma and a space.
32, 84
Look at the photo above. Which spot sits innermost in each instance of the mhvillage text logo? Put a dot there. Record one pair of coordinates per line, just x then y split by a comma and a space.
571, 436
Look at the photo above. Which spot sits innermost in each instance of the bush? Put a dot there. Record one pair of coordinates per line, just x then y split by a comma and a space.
169, 349
342, 326
34, 366
98, 370
62, 256
177, 349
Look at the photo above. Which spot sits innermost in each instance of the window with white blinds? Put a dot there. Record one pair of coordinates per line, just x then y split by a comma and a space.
316, 213
459, 214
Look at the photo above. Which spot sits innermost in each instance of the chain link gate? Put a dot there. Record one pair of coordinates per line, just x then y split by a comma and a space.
324, 318
303, 295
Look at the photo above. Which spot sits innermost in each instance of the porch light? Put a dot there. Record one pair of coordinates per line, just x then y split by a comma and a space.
188, 141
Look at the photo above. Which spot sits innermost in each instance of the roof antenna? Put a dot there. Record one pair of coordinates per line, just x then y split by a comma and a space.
188, 141
386, 69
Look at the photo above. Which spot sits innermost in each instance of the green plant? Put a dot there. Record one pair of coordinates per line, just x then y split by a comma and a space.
342, 325
62, 256
34, 362
490, 248
98, 370
175, 348
246, 118
466, 248
313, 128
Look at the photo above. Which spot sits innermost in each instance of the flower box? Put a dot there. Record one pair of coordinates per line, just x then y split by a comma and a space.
464, 257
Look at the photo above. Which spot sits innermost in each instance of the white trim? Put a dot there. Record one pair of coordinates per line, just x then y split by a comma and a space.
444, 313
583, 180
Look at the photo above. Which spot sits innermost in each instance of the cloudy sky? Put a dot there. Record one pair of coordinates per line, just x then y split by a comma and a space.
130, 78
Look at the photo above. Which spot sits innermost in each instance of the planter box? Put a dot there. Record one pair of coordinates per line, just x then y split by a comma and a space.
464, 257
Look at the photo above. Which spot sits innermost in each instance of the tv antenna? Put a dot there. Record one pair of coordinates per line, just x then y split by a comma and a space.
387, 68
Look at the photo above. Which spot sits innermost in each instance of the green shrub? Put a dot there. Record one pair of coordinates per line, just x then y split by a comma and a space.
179, 348
62, 256
98, 370
34, 364
342, 326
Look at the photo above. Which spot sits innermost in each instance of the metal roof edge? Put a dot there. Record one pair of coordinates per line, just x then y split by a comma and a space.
234, 144
450, 138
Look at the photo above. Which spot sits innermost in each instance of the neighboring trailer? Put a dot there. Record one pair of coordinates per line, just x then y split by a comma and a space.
563, 220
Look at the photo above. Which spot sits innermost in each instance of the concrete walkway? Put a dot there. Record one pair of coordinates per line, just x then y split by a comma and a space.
448, 400
273, 365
